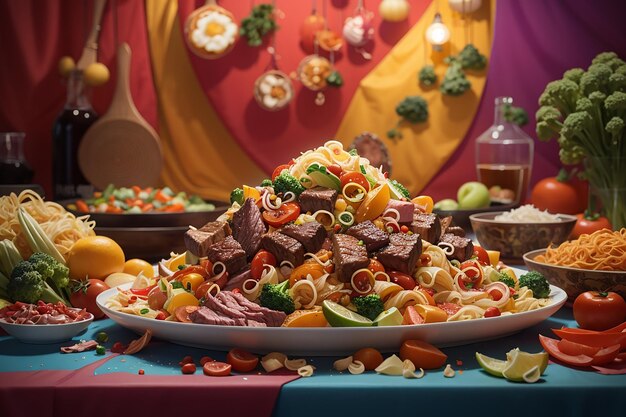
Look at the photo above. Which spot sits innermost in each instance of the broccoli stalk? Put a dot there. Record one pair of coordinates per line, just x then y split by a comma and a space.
535, 282
369, 306
276, 297
286, 182
27, 285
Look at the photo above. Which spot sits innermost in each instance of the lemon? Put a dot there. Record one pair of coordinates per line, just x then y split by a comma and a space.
491, 365
494, 257
95, 257
96, 74
135, 266
520, 363
339, 316
532, 375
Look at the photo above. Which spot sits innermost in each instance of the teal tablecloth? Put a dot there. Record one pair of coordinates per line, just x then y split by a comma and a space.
561, 391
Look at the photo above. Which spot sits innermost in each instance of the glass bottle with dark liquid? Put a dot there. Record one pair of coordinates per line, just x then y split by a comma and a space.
504, 155
68, 130
13, 166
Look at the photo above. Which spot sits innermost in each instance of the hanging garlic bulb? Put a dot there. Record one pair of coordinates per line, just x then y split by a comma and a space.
394, 10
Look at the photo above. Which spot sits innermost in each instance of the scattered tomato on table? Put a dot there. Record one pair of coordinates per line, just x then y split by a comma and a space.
84, 295
596, 310
588, 223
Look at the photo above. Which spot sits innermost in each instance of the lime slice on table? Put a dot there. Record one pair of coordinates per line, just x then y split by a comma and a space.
532, 375
339, 316
521, 363
491, 365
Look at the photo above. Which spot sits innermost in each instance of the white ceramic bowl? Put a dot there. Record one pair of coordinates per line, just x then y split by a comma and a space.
45, 333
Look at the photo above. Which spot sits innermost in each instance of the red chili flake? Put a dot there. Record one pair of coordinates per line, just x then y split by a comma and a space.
459, 362
141, 372
337, 227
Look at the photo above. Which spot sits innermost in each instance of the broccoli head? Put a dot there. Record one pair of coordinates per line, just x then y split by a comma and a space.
427, 76
413, 109
561, 94
609, 58
287, 182
471, 58
516, 115
615, 127
27, 285
236, 196
369, 306
535, 282
573, 74
51, 270
616, 104
506, 279
266, 183
400, 188
454, 81
276, 297
617, 82
595, 79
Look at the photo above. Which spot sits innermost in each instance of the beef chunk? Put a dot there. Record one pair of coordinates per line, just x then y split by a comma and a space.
311, 235
318, 198
205, 315
456, 230
230, 252
348, 256
198, 241
248, 227
372, 236
463, 247
427, 225
402, 253
284, 248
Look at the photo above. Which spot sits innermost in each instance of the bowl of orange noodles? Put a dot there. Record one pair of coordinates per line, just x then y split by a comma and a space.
593, 262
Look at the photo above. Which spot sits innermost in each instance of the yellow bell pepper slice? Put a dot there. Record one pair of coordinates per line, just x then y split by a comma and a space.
374, 203
431, 314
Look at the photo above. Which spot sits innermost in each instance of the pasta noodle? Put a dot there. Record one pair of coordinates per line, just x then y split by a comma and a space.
61, 226
601, 250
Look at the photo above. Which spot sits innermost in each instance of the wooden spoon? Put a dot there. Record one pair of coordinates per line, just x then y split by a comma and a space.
90, 51
121, 148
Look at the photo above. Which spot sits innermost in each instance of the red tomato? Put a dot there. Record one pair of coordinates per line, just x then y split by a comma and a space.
335, 169
201, 291
355, 177
284, 214
495, 294
450, 308
188, 369
587, 224
370, 358
84, 295
579, 355
361, 282
592, 338
482, 255
278, 170
242, 360
216, 368
375, 266
472, 279
492, 312
261, 258
405, 281
595, 310
551, 346
557, 195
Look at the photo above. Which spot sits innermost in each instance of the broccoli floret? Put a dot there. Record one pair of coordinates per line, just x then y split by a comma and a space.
595, 79
413, 109
609, 58
266, 183
617, 82
454, 81
574, 74
236, 195
427, 76
276, 297
516, 115
55, 273
400, 188
616, 104
506, 279
334, 79
471, 58
561, 94
27, 285
287, 182
535, 282
615, 127
369, 306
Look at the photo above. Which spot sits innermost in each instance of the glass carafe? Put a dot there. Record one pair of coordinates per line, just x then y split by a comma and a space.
13, 166
68, 130
504, 156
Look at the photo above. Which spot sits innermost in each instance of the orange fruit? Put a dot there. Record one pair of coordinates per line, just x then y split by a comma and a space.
306, 318
95, 257
135, 266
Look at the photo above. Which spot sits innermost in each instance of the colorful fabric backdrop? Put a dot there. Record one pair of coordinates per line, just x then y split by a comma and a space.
216, 137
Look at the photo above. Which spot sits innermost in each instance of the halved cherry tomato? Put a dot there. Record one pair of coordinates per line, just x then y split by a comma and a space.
242, 360
362, 282
411, 316
370, 358
355, 177
216, 368
375, 266
261, 258
492, 312
422, 354
482, 255
278, 170
201, 291
405, 281
335, 169
192, 281
284, 214
450, 308
301, 272
473, 275
596, 310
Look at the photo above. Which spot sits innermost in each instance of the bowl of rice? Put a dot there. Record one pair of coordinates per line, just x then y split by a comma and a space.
521, 230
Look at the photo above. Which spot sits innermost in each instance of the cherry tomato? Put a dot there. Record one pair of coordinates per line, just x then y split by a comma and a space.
587, 224
495, 294
216, 368
192, 281
355, 177
278, 170
284, 214
335, 169
472, 278
450, 308
492, 312
482, 255
242, 360
557, 195
362, 283
261, 258
84, 295
188, 369
156, 298
370, 357
201, 291
405, 281
595, 310
206, 359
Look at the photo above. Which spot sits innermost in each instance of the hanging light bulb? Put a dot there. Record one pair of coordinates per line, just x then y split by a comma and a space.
437, 34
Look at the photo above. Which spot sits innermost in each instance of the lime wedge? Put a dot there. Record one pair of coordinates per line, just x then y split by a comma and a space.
339, 316
391, 317
520, 363
532, 375
491, 365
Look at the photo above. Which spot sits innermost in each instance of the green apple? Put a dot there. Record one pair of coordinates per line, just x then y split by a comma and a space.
447, 204
391, 317
473, 195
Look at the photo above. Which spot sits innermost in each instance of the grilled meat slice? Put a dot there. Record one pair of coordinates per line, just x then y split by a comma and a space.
318, 198
348, 255
372, 236
463, 247
198, 241
427, 225
311, 235
284, 248
402, 253
248, 227
230, 252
